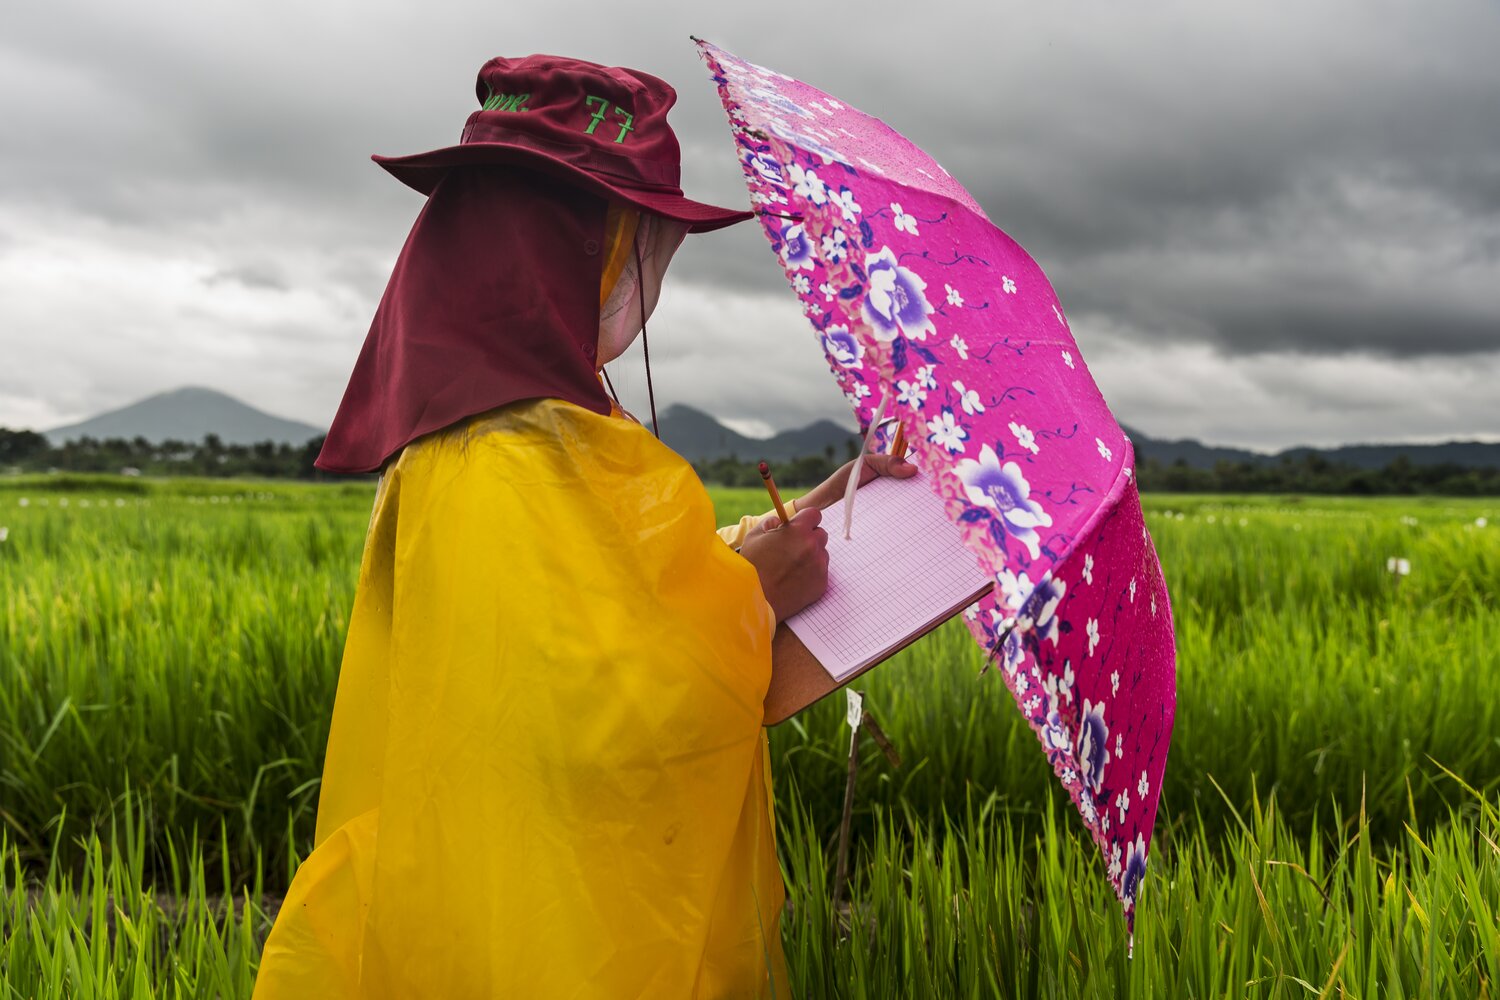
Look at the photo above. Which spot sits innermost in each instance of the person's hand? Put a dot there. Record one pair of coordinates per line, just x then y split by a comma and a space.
791, 559
875, 466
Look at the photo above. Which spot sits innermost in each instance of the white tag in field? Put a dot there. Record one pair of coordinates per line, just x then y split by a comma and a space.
856, 710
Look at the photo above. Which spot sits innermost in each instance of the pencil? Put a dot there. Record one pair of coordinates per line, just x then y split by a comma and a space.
898, 443
765, 474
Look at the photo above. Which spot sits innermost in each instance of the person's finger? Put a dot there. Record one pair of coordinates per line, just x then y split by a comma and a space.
810, 516
770, 522
885, 465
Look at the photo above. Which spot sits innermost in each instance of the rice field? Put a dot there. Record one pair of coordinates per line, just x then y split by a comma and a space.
1330, 820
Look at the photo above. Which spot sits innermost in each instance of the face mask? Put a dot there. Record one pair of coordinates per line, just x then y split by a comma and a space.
637, 289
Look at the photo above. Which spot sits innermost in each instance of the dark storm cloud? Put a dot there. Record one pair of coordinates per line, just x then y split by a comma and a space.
1246, 179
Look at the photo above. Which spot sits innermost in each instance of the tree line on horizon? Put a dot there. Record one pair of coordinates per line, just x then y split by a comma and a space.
1312, 472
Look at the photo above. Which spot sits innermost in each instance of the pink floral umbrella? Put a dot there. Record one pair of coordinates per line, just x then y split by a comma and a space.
918, 299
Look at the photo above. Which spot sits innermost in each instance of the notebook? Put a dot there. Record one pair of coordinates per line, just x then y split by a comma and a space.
903, 572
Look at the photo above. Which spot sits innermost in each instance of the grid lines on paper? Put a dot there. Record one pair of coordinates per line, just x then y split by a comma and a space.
905, 565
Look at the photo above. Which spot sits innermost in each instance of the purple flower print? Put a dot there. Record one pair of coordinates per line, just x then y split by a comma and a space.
897, 299
765, 167
1041, 607
1135, 870
796, 248
1004, 490
1013, 651
1055, 738
842, 347
1092, 747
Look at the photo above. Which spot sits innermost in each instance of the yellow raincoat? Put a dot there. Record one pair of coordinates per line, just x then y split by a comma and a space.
546, 775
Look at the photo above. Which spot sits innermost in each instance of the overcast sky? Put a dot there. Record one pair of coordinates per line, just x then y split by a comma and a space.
1270, 224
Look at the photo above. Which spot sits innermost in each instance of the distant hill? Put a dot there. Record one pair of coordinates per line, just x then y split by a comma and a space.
1469, 454
187, 414
698, 437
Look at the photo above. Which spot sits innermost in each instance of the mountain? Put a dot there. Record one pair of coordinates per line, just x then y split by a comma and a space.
1469, 454
698, 437
187, 414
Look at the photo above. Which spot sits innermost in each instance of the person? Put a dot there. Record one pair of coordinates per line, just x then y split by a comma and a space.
546, 773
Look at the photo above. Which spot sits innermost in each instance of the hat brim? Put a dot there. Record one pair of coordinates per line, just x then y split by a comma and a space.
422, 171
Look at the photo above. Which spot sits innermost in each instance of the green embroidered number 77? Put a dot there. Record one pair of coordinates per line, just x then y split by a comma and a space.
602, 110
598, 115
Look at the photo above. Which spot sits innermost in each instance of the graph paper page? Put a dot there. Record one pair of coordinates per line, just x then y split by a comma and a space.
904, 568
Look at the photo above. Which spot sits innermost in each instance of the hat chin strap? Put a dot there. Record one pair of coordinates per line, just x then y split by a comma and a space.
646, 352
663, 237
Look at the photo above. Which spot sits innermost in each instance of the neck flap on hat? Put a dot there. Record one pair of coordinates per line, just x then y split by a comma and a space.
492, 300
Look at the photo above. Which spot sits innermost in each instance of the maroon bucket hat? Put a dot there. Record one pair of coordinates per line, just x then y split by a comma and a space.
601, 127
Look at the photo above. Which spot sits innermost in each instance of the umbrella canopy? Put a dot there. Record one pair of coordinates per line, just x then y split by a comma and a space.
918, 299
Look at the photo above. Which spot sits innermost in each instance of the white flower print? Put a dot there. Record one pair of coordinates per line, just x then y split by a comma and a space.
1067, 357
835, 246
904, 222
925, 377
861, 391
1119, 745
968, 399
1014, 587
1087, 808
1024, 437
1114, 683
801, 284
1104, 451
807, 184
954, 299
1060, 686
959, 347
1143, 786
1069, 775
910, 393
1122, 802
946, 431
1088, 569
828, 291
846, 204
1092, 628
1007, 285
1116, 863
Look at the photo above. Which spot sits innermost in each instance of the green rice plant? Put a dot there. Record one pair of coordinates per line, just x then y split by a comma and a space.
184, 639
104, 929
968, 906
965, 905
